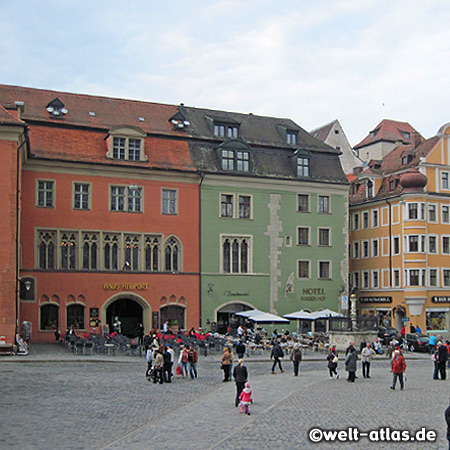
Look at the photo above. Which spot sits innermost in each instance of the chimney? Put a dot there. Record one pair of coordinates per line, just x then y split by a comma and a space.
357, 170
416, 140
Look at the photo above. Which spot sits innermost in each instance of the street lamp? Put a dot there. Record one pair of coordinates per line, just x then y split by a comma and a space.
353, 314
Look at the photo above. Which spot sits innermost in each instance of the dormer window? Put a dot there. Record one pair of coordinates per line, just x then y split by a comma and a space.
374, 133
126, 144
235, 155
370, 189
291, 137
226, 130
56, 108
302, 166
405, 134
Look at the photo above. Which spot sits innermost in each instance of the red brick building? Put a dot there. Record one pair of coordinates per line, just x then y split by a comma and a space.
109, 214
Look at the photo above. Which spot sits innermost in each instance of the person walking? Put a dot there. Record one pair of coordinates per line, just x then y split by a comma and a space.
246, 399
240, 349
333, 360
435, 359
149, 359
183, 361
366, 357
227, 358
140, 334
240, 375
296, 357
398, 368
350, 363
277, 354
192, 360
443, 358
167, 369
158, 367
432, 343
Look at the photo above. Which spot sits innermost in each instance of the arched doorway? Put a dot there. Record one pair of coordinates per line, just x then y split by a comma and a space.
174, 314
129, 312
226, 317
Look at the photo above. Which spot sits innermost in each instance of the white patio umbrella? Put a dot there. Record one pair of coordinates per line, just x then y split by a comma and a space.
299, 315
262, 317
325, 314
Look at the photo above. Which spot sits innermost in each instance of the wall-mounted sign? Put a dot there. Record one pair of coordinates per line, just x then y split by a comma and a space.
93, 313
313, 294
375, 299
125, 286
440, 299
236, 294
155, 319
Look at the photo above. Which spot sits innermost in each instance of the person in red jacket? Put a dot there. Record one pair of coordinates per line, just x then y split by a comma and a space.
398, 367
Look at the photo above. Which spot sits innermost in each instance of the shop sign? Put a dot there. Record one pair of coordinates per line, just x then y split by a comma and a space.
375, 299
125, 286
313, 294
440, 299
235, 294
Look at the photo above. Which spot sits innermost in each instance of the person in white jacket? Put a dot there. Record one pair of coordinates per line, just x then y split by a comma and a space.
367, 354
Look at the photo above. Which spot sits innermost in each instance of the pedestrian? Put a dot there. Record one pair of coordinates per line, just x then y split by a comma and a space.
377, 347
398, 367
366, 357
447, 419
333, 360
432, 343
435, 359
183, 361
192, 360
240, 375
443, 358
412, 328
140, 334
277, 354
149, 359
418, 330
350, 363
296, 357
167, 369
227, 358
390, 350
362, 345
240, 349
403, 332
147, 340
246, 399
158, 367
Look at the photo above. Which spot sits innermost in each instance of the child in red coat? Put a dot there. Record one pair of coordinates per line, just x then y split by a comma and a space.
246, 399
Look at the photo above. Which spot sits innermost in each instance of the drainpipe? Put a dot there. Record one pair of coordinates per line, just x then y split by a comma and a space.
390, 241
202, 177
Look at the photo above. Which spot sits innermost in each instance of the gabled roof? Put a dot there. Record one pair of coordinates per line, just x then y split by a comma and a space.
7, 118
323, 132
389, 131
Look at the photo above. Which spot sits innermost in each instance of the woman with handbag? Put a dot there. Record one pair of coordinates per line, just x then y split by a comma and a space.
333, 360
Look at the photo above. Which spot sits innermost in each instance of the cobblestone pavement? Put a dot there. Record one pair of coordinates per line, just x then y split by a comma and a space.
55, 400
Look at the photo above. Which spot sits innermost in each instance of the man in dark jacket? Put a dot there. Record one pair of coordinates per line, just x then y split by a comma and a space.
240, 375
240, 350
276, 354
443, 357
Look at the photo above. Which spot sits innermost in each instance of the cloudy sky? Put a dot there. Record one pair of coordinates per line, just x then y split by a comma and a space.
358, 61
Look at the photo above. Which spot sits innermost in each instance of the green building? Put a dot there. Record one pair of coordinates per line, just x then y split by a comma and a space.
273, 216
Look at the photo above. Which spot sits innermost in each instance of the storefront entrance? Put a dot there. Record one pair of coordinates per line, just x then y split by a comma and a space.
227, 321
129, 313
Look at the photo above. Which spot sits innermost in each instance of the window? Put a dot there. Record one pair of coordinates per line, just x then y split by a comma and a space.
49, 317
324, 270
75, 316
392, 185
81, 195
127, 148
433, 277
370, 189
131, 252
437, 320
169, 201
375, 218
244, 206
47, 250
291, 137
415, 277
172, 255
413, 243
375, 279
324, 237
242, 161
365, 279
236, 254
445, 214
396, 277
302, 167
304, 269
303, 235
111, 252
227, 160
444, 180
396, 245
356, 221
90, 251
226, 131
236, 160
126, 198
365, 249
445, 245
303, 203
355, 250
226, 205
356, 279
68, 247
432, 213
324, 204
375, 248
365, 221
446, 277
432, 244
152, 248
416, 211
45, 194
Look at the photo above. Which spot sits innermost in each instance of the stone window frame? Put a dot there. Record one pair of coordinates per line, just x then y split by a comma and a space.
240, 238
128, 198
308, 261
88, 194
46, 204
329, 243
128, 133
169, 201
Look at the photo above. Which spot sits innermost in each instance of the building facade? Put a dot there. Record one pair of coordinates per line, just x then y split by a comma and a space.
399, 218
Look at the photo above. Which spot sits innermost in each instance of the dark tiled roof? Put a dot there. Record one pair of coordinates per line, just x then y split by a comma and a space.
388, 130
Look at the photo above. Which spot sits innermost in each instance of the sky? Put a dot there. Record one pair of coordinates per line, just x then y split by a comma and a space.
358, 61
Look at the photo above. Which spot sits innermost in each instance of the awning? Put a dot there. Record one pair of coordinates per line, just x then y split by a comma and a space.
262, 317
325, 314
299, 315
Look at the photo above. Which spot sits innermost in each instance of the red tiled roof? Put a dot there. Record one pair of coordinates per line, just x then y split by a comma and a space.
322, 133
7, 118
388, 130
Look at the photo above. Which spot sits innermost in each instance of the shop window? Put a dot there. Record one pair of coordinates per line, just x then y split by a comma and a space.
437, 320
49, 317
75, 316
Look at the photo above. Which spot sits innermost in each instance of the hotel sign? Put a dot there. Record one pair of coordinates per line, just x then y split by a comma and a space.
125, 286
440, 299
313, 294
375, 299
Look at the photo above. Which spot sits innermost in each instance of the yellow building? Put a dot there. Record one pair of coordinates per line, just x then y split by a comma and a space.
400, 235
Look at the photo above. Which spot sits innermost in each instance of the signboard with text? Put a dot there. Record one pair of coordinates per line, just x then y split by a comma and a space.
375, 299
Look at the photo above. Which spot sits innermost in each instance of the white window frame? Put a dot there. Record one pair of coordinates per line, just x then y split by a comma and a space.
127, 205
365, 279
421, 243
442, 213
239, 196
394, 284
363, 256
232, 237
375, 223
329, 204
420, 211
356, 221
445, 236
374, 273
436, 236
356, 273
308, 197
436, 212
356, 254
365, 226
373, 253
399, 245
233, 205
444, 176
437, 277
443, 270
127, 133
422, 277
